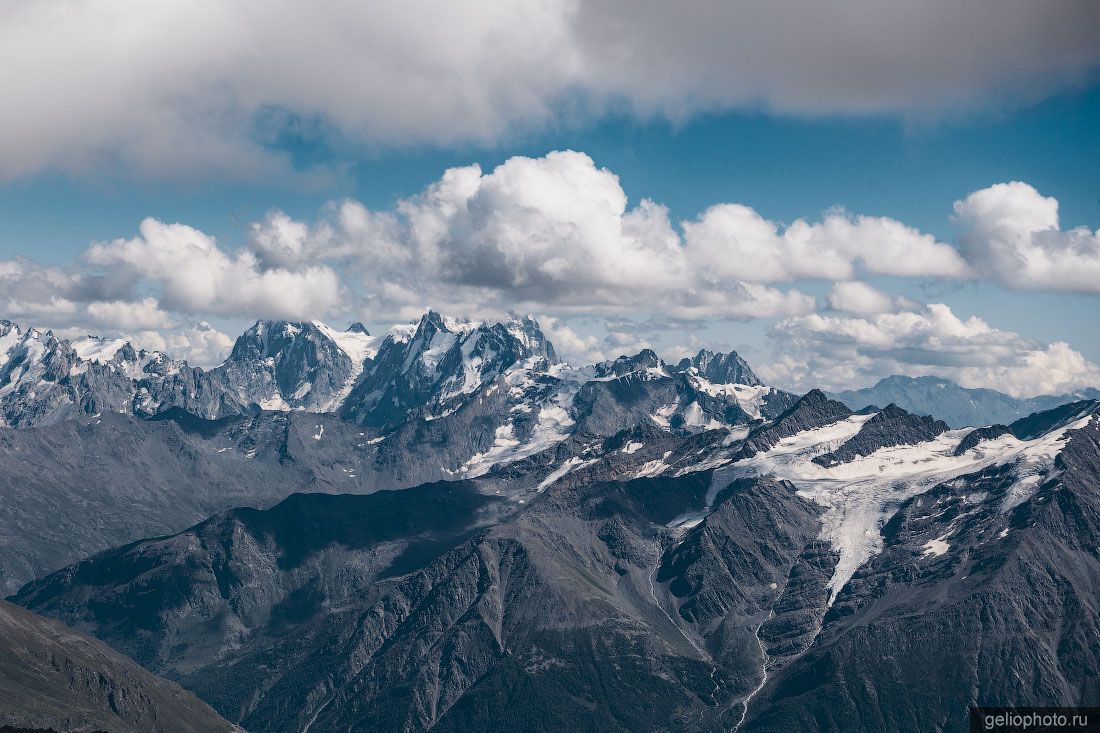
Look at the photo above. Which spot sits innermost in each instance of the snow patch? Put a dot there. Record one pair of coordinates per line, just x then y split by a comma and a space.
749, 397
532, 384
97, 349
274, 403
936, 547
693, 416
438, 347
656, 372
653, 468
357, 345
1020, 491
402, 333
568, 466
504, 444
663, 414
460, 325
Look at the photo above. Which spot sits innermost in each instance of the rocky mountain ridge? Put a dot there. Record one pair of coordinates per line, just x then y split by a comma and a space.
450, 400
695, 584
446, 527
422, 371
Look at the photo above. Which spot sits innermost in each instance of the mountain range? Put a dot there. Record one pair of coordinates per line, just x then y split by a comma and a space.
450, 529
957, 406
147, 445
424, 370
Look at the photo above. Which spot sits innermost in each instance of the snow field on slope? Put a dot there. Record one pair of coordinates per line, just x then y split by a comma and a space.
750, 398
861, 495
552, 425
94, 348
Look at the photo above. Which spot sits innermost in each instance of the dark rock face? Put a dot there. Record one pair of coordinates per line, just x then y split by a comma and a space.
275, 363
814, 410
721, 368
618, 570
403, 610
292, 363
731, 560
606, 407
438, 368
643, 360
426, 372
453, 606
1038, 423
442, 606
955, 405
889, 427
78, 487
643, 389
43, 380
978, 435
73, 489
54, 678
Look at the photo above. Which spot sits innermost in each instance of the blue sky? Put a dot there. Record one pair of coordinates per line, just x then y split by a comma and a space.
789, 148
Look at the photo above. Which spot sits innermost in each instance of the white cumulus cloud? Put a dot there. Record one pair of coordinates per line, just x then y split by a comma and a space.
142, 314
1012, 234
558, 235
858, 297
200, 344
571, 346
194, 275
554, 233
731, 239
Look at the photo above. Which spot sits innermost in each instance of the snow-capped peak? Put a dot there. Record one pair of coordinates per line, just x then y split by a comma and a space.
402, 333
358, 344
720, 368
461, 325
97, 348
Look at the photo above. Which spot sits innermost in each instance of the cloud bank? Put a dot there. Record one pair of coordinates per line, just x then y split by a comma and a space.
543, 234
558, 236
840, 350
206, 88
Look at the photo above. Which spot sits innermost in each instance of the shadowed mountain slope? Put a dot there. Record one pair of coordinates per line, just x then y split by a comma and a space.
54, 678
